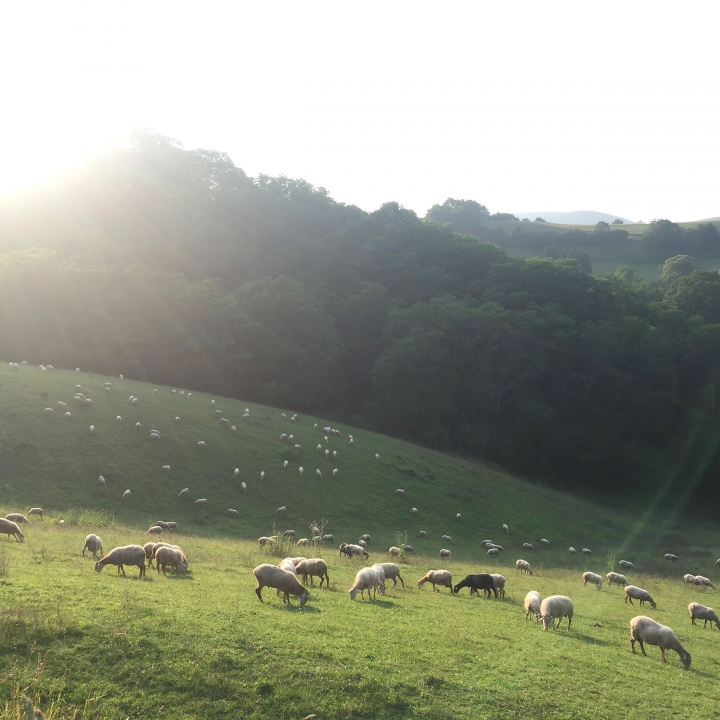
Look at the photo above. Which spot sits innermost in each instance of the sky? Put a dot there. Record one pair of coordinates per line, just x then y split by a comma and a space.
522, 106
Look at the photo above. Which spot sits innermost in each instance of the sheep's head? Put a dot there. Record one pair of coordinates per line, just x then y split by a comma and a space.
654, 605
353, 593
304, 598
98, 566
381, 588
547, 620
686, 659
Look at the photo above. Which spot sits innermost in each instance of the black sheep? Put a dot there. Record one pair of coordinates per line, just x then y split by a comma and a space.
477, 582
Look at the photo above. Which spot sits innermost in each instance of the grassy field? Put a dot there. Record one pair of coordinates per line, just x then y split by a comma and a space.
200, 644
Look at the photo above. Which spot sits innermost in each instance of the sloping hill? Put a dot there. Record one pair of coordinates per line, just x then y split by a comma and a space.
576, 217
54, 462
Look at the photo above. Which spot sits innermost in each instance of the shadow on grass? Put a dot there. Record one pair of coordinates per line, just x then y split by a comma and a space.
185, 576
294, 608
589, 640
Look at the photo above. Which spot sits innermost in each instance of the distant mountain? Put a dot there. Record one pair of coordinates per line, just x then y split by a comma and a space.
578, 217
713, 219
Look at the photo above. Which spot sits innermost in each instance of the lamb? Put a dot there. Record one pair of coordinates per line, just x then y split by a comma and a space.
556, 606
645, 630
632, 591
126, 555
392, 572
94, 544
445, 554
183, 492
446, 538
200, 502
328, 538
671, 557
311, 568
169, 556
154, 530
590, 577
532, 604
394, 551
528, 546
523, 565
8, 527
437, 577
700, 612
283, 580
626, 565
483, 581
499, 583
266, 541
36, 511
368, 578
616, 578
302, 542
17, 518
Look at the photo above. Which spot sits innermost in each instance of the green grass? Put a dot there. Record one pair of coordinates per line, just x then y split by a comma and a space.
201, 645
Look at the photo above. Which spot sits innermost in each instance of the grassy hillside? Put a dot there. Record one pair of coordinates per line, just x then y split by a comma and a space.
201, 645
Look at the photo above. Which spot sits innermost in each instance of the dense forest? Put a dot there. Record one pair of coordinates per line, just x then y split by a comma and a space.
174, 266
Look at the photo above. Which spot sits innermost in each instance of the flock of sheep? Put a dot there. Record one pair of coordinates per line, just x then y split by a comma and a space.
284, 576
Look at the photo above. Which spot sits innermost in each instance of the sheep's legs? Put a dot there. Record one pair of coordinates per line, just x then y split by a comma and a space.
258, 592
664, 659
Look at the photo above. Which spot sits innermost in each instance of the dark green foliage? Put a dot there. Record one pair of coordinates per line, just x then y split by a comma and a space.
173, 266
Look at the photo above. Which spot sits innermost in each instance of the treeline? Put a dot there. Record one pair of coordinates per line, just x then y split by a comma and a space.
175, 267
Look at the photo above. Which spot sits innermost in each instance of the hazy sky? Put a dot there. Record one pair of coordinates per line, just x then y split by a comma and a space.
522, 106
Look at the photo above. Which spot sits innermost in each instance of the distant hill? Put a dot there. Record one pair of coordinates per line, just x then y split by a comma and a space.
577, 217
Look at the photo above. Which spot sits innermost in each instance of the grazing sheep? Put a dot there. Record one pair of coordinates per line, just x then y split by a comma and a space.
314, 567
297, 447
281, 510
318, 473
327, 453
243, 486
201, 443
126, 555
319, 448
163, 525
446, 538
237, 472
493, 552
155, 391
201, 501
705, 582
483, 581
49, 411
285, 464
626, 565
149, 547
62, 405
377, 457
528, 546
302, 542
445, 554
499, 582
154, 530
545, 542
184, 491
233, 513
232, 427
351, 441
334, 454
138, 425
505, 528
523, 565
155, 435
572, 549
586, 551
458, 516
212, 402
87, 401
591, 577
400, 493
700, 612
68, 415
166, 468
368, 578
407, 548
266, 541
289, 533
365, 537
632, 591
169, 556
160, 545
422, 534
121, 376
437, 577
616, 578
335, 472
134, 401
36, 511
262, 476
492, 546
690, 579
8, 527
645, 630
283, 580
328, 538
17, 518
532, 604
119, 419
392, 572
414, 511
301, 471
126, 494
671, 557
353, 550
556, 606
107, 390
394, 551
94, 544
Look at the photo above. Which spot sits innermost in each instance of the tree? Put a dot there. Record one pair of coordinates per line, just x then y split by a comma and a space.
664, 236
539, 219
465, 216
617, 221
601, 227
676, 267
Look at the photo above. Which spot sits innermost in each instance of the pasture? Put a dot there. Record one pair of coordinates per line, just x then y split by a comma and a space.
199, 644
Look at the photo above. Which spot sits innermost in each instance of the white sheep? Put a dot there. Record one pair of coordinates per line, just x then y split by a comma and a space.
335, 472
281, 510
224, 421
318, 473
319, 448
300, 471
586, 551
705, 582
626, 565
302, 542
262, 476
556, 607
528, 546
201, 443
138, 425
271, 576
505, 528
458, 516
134, 401
200, 502
632, 591
233, 513
523, 566
671, 557
126, 494
121, 376
119, 419
125, 555
49, 411
212, 402
62, 405
545, 542
422, 534
154, 435
645, 630
92, 428
377, 457
18, 518
36, 511
392, 572
107, 390
437, 577
413, 511
370, 579
101, 479
572, 549
445, 554
446, 538
296, 446
313, 567
189, 395
183, 492
87, 401
327, 453
700, 612
400, 493
154, 530
167, 555
233, 428
243, 486
8, 527
532, 604
493, 552
591, 577
334, 454
155, 391
394, 551
237, 472
690, 579
266, 540
285, 465
177, 419
616, 578
499, 583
